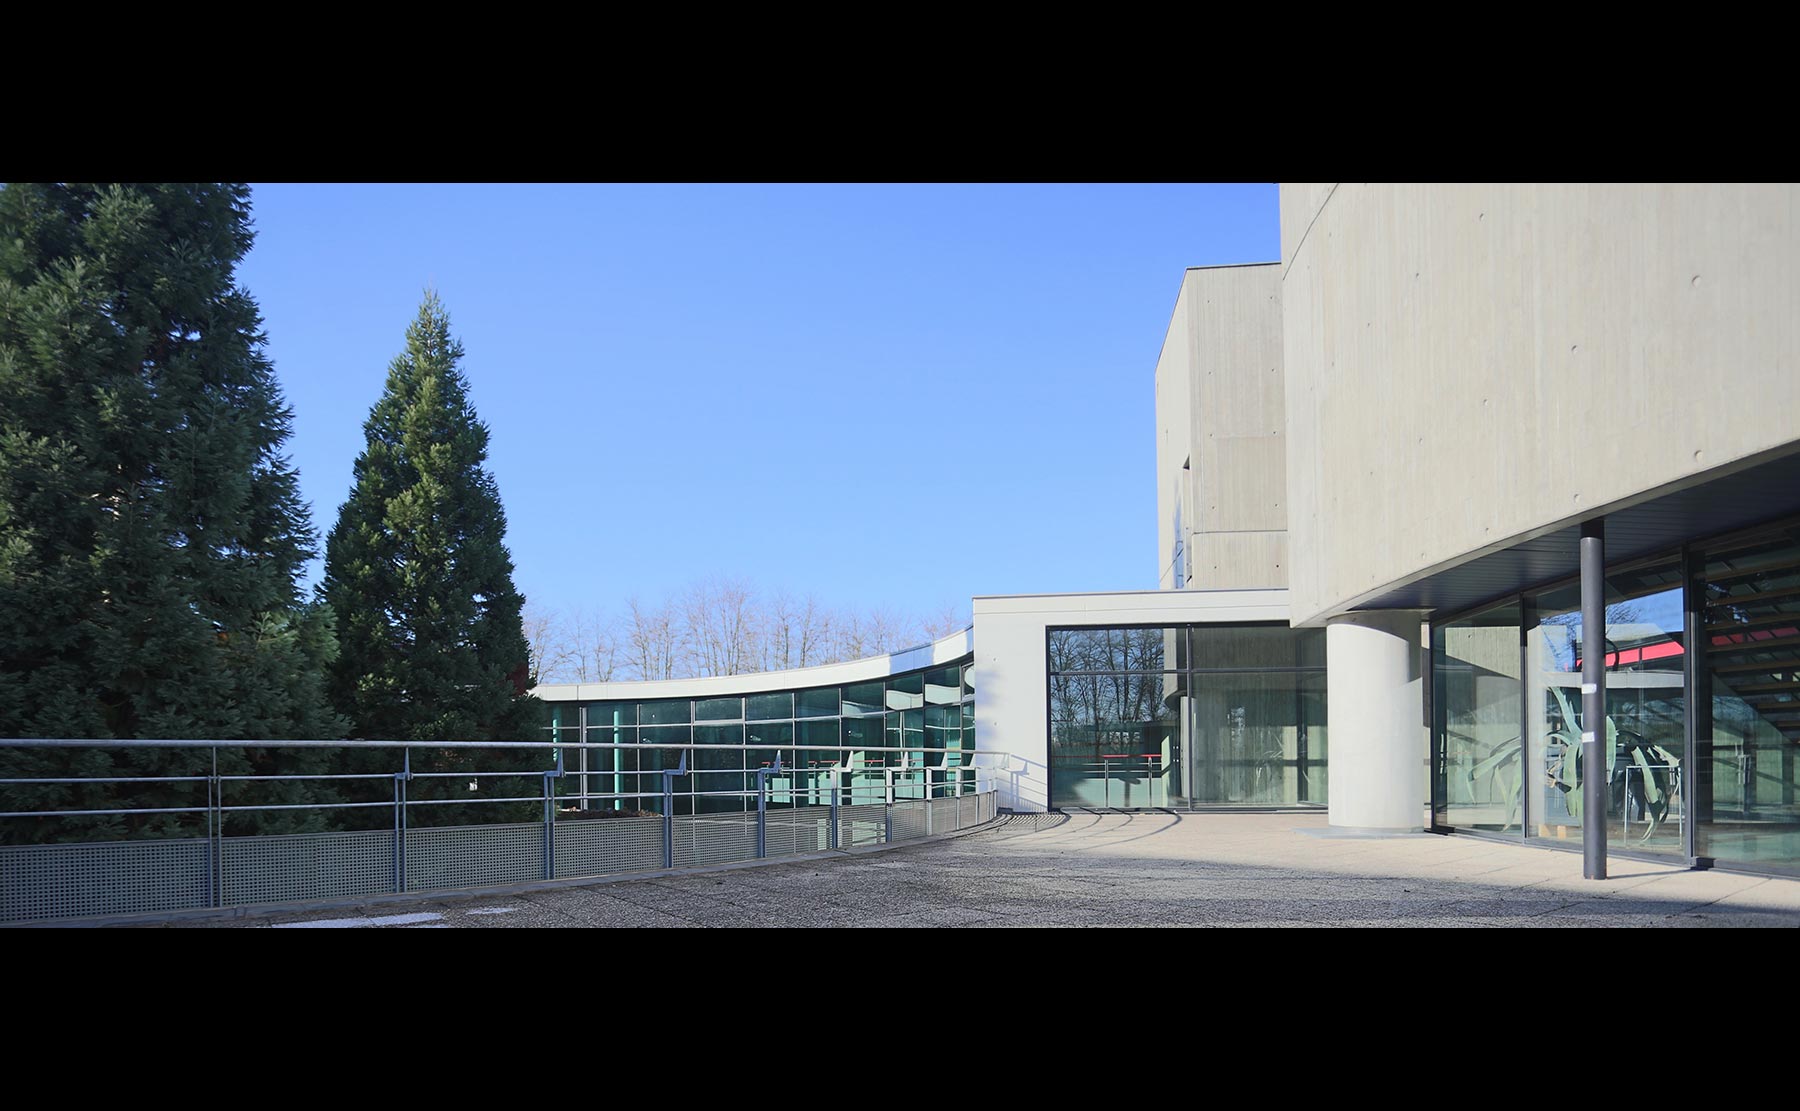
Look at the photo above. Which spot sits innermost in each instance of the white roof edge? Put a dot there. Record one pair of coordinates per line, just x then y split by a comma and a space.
941, 651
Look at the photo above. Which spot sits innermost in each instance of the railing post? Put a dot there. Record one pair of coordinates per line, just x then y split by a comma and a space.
832, 834
550, 778
215, 832
668, 778
401, 779
762, 807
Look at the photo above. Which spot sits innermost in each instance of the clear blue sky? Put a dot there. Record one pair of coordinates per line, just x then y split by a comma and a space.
786, 384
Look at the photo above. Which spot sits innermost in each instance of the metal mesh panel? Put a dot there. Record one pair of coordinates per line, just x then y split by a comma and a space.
123, 877
608, 845
943, 816
861, 825
473, 856
990, 806
714, 839
909, 820
307, 866
805, 829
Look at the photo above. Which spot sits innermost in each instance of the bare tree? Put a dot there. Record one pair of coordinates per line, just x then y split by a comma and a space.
544, 638
720, 623
652, 638
941, 622
594, 649
720, 626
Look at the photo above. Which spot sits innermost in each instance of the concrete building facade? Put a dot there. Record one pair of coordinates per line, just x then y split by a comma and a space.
1377, 461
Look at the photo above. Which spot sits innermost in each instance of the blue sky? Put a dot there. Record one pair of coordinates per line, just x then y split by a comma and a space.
787, 384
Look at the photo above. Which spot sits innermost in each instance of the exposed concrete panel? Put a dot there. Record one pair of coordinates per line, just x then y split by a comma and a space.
1448, 348
1242, 485
1300, 203
1174, 440
1220, 369
1376, 706
1241, 560
1012, 695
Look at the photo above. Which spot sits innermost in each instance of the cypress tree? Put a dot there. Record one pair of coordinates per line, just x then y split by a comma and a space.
432, 642
151, 531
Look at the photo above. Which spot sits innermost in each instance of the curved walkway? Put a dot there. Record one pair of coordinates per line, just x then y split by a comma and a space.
1148, 869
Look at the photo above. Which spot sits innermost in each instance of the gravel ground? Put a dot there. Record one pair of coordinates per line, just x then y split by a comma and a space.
1147, 869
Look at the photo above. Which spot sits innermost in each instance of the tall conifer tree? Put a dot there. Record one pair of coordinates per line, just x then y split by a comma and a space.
151, 531
432, 643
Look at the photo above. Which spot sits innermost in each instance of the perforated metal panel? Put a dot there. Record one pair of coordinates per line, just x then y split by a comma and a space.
861, 825
943, 816
473, 856
714, 839
909, 820
39, 882
804, 829
609, 845
306, 866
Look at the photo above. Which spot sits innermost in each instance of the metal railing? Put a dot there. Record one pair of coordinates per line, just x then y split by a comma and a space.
671, 817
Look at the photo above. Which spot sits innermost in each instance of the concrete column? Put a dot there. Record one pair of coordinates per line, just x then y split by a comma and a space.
1376, 706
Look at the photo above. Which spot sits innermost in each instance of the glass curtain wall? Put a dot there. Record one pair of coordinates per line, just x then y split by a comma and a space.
1479, 754
1201, 715
1643, 736
918, 710
1747, 732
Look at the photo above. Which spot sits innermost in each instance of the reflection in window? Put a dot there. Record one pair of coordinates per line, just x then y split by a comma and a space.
1645, 659
1747, 773
1479, 744
1129, 731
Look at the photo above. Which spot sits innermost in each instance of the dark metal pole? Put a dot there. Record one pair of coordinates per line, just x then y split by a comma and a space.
1594, 772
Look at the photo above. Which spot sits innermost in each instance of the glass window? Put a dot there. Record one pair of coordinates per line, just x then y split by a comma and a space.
1251, 741
1074, 650
1479, 758
862, 699
769, 707
1746, 781
821, 702
719, 779
672, 712
719, 709
1644, 658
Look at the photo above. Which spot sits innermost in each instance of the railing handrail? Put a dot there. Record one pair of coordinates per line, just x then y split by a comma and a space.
157, 742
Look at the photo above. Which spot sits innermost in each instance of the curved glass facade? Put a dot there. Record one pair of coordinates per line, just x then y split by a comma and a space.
920, 710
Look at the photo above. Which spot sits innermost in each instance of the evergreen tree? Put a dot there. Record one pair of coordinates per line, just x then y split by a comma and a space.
151, 531
432, 641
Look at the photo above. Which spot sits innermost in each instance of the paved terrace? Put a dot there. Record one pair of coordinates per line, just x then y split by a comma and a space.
1131, 870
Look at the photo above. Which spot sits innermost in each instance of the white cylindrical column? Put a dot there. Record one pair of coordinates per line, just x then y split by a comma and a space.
1375, 702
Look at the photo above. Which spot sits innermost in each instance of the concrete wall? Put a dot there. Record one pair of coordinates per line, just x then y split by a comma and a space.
1220, 409
1448, 347
1012, 695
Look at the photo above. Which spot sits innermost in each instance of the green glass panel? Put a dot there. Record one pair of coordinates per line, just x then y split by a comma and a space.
861, 699
769, 707
821, 702
719, 709
672, 712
